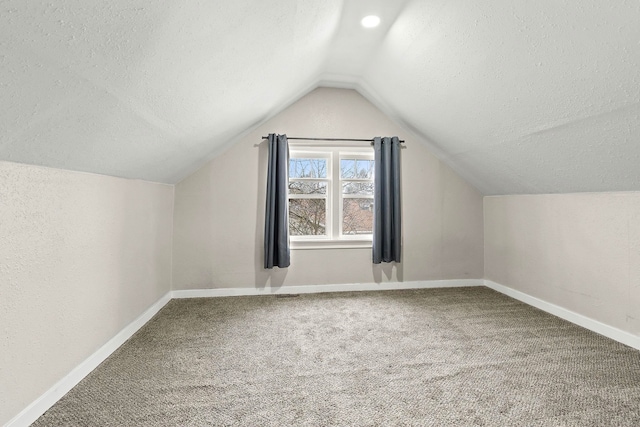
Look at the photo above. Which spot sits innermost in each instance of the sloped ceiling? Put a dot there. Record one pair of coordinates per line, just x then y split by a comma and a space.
517, 96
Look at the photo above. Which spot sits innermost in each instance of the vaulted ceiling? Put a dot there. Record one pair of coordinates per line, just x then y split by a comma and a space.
518, 96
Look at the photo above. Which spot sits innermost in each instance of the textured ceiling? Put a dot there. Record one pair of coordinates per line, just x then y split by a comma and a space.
517, 96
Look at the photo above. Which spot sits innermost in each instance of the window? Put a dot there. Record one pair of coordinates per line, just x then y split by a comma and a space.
330, 197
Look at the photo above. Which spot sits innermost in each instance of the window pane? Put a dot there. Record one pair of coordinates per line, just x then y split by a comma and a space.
347, 168
364, 188
356, 169
357, 216
307, 168
307, 217
307, 187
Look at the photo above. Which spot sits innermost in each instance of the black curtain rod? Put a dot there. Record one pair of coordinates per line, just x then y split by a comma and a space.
331, 139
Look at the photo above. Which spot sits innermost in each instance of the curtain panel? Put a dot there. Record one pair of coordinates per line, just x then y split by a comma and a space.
276, 228
387, 216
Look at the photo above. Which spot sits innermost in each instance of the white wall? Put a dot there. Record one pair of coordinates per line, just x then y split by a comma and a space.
82, 255
578, 251
219, 210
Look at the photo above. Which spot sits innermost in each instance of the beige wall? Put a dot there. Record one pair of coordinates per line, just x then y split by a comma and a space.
219, 210
577, 251
82, 255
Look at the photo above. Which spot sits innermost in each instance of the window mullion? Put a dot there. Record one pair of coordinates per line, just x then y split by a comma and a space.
336, 187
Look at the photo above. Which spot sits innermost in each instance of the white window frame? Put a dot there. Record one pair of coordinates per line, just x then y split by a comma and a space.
334, 197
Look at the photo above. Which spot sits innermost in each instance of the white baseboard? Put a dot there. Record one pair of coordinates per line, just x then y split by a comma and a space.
578, 319
62, 387
51, 396
314, 289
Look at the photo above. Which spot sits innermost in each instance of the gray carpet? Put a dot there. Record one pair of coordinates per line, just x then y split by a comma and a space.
438, 357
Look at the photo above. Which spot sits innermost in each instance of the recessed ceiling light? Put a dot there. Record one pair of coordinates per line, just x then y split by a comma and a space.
370, 21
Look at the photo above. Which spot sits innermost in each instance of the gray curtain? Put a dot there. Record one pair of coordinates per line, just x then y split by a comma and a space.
276, 227
387, 227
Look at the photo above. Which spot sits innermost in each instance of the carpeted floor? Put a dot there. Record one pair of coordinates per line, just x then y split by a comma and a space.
437, 357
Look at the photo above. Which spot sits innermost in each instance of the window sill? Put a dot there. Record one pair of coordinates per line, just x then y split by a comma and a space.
330, 244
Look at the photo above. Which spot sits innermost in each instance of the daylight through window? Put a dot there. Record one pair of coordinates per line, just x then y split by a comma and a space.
331, 194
